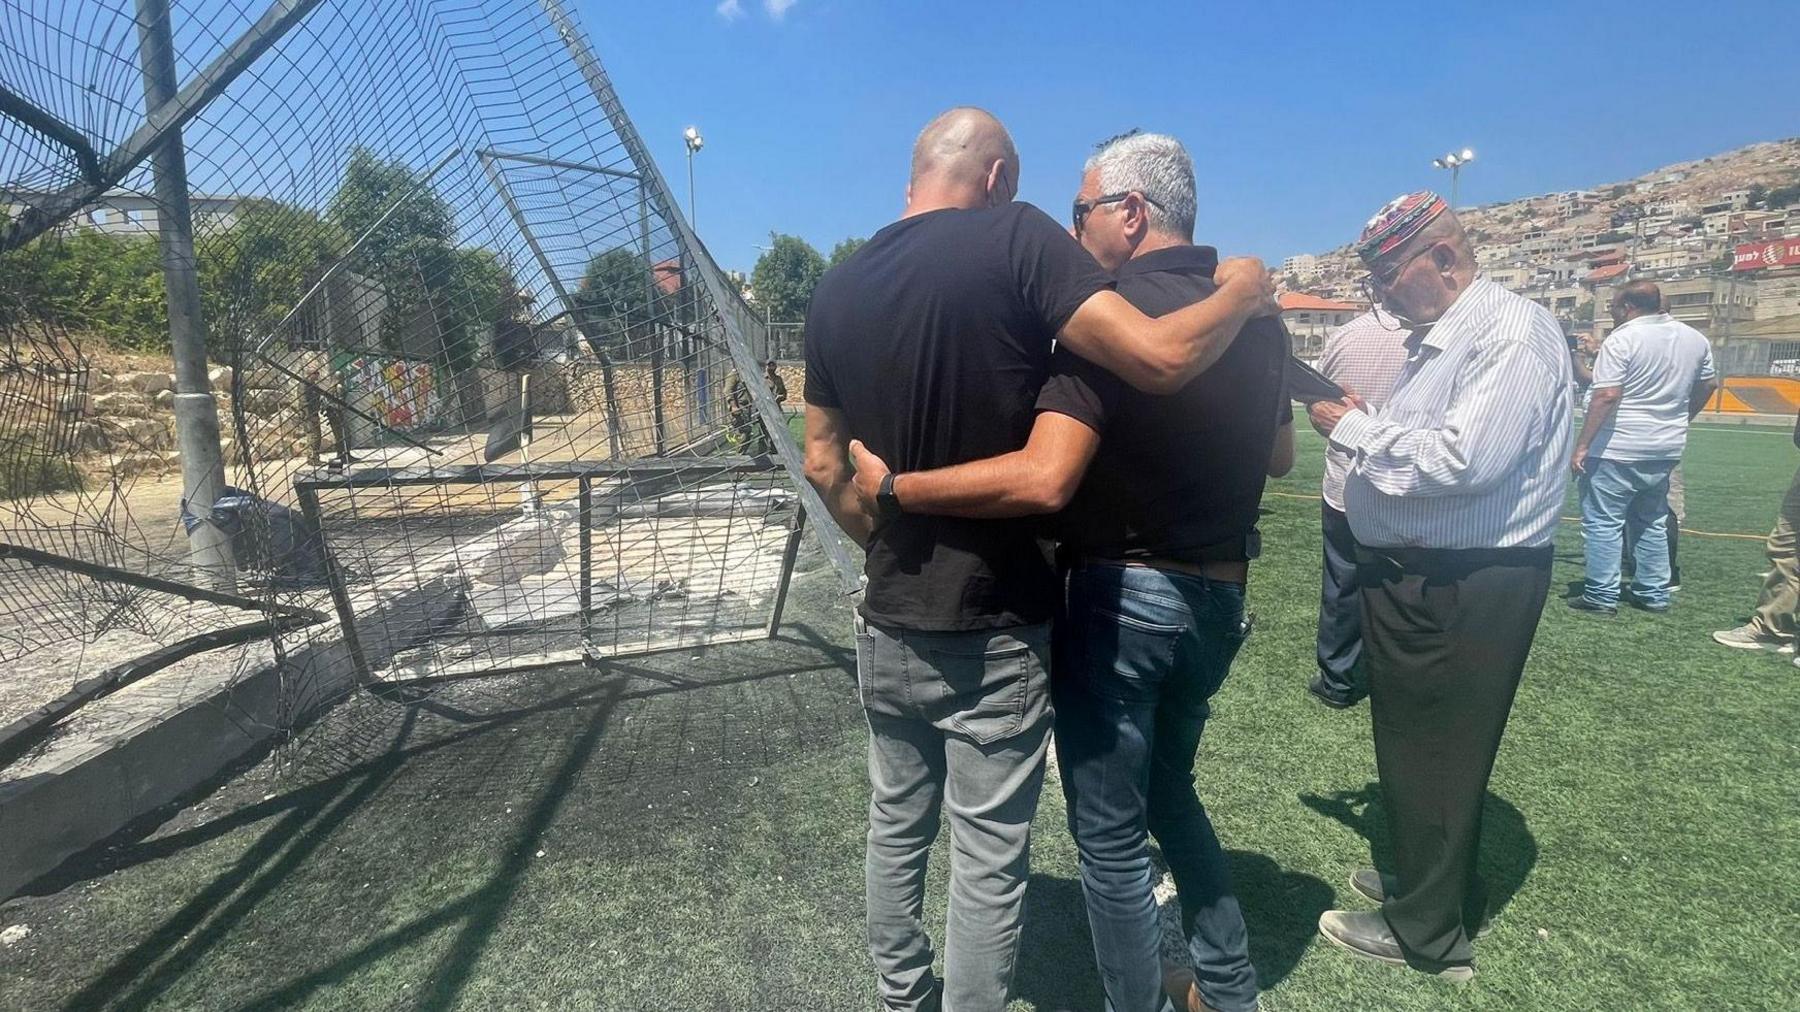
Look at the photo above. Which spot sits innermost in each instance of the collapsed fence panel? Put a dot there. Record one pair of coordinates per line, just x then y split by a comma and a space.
465, 346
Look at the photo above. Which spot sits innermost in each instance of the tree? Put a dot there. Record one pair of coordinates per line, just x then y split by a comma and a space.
616, 300
842, 251
414, 258
1783, 196
257, 269
784, 277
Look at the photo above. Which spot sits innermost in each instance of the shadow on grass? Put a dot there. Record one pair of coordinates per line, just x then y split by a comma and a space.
311, 817
1056, 969
1508, 850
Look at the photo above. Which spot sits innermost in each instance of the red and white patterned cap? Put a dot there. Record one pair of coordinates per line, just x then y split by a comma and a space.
1398, 221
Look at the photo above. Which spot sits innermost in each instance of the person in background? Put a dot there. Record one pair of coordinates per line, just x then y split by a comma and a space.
1364, 356
930, 344
1776, 621
1652, 375
1453, 496
777, 387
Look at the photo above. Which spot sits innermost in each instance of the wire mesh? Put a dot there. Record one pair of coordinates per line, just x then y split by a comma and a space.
484, 394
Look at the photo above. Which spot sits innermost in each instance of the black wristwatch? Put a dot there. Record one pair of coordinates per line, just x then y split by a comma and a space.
886, 500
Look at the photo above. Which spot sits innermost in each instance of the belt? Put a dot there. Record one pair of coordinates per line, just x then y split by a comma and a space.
1425, 561
1227, 570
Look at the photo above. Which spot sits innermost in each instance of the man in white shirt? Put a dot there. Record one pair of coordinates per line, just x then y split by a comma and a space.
1453, 494
1652, 375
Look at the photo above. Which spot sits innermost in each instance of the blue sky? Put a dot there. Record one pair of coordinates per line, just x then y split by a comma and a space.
1303, 117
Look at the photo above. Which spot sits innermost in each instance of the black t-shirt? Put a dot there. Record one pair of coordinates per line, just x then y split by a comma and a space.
934, 340
1177, 474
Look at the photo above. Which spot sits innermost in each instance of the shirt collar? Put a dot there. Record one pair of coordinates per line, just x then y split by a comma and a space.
1648, 319
1173, 259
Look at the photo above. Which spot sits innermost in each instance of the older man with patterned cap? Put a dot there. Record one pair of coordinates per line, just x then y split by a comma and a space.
1453, 496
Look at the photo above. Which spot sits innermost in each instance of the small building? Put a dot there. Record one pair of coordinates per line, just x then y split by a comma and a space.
1310, 318
123, 213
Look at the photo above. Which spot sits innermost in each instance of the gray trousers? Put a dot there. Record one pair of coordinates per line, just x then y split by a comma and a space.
1340, 607
958, 722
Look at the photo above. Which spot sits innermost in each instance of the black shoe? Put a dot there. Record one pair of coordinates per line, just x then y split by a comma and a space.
1366, 933
1595, 607
1373, 885
1654, 609
1330, 697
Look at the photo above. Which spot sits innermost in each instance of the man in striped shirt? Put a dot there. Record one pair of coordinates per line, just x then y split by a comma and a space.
1453, 496
1364, 357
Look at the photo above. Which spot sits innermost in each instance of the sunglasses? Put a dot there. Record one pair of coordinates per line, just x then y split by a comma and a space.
1388, 275
1083, 208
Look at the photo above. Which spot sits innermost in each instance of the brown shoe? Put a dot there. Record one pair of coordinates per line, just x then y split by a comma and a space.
1183, 988
1366, 933
1373, 885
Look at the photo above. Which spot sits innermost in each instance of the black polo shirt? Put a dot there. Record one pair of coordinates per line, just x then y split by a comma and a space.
934, 340
1176, 476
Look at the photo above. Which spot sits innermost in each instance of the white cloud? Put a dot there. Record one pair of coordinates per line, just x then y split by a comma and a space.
730, 10
778, 8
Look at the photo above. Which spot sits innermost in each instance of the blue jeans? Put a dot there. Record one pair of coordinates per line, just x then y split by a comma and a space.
1137, 655
1617, 496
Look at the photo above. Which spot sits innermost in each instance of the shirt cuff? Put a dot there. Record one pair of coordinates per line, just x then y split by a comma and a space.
1351, 430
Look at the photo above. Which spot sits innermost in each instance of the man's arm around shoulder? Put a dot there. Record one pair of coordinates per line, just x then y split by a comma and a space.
1159, 355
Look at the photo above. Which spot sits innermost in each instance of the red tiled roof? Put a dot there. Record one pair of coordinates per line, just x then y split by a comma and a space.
1606, 273
1291, 301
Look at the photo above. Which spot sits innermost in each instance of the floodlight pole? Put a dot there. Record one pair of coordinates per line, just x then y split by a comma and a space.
196, 414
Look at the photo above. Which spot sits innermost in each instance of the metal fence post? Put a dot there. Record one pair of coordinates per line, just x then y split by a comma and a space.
196, 414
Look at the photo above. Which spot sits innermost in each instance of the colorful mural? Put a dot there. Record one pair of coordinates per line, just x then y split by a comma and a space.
403, 393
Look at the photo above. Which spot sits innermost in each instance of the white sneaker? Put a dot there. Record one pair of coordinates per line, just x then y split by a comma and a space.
1745, 637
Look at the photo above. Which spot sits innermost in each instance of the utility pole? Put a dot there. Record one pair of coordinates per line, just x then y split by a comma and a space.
196, 414
1454, 161
691, 137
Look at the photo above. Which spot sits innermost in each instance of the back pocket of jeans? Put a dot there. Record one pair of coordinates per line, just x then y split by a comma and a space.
1125, 657
985, 691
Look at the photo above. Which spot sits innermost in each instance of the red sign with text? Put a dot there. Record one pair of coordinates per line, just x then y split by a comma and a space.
1776, 253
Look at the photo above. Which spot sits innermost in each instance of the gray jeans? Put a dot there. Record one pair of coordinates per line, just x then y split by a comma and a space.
959, 722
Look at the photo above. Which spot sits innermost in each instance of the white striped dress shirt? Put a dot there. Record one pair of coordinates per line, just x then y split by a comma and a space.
1471, 450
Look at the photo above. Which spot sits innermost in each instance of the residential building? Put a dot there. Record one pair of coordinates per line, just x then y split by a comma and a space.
1310, 319
1670, 257
1564, 300
123, 213
1512, 277
1304, 266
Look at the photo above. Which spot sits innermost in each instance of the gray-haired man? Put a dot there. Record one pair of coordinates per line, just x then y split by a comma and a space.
1157, 538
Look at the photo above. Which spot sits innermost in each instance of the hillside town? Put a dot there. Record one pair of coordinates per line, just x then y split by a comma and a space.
1720, 236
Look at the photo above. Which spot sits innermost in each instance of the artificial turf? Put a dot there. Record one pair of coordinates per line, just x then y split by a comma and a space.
685, 832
